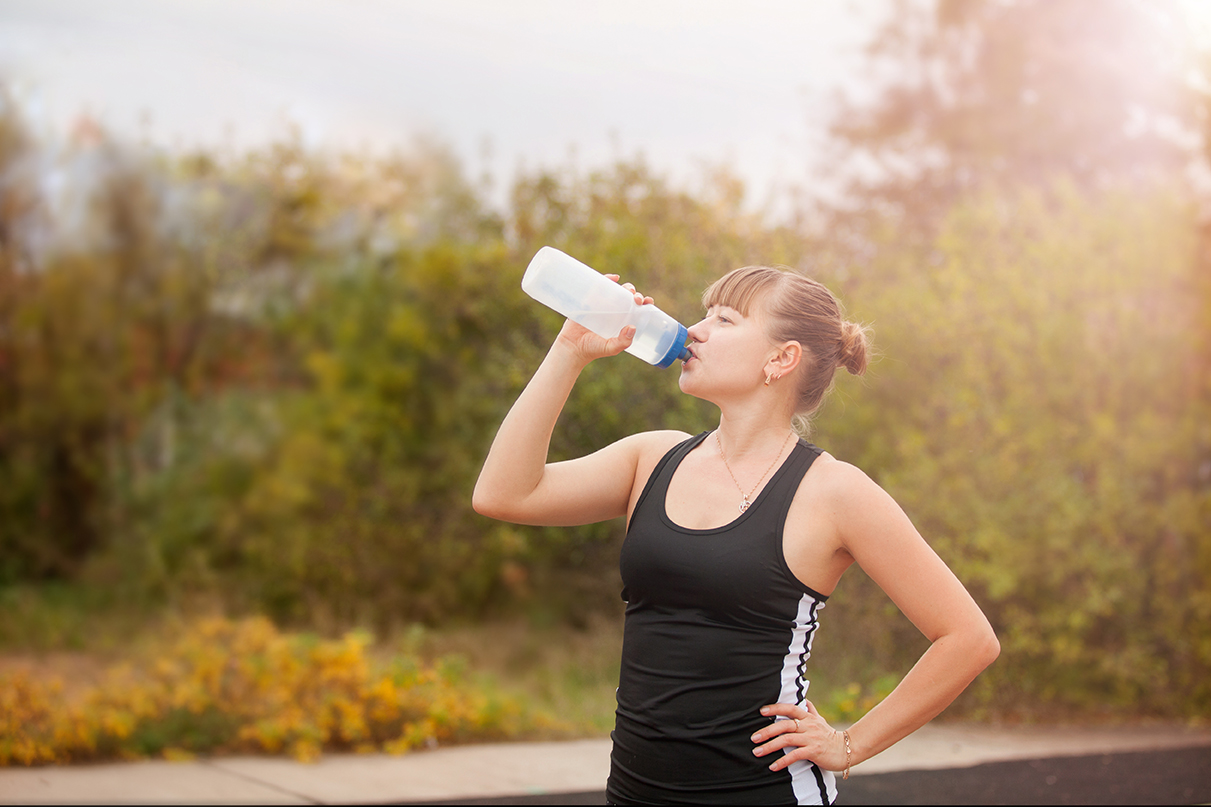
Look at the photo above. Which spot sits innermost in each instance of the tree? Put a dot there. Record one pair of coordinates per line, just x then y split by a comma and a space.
1037, 412
1005, 93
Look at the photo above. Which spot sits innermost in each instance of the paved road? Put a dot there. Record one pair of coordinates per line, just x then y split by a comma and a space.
940, 764
1181, 776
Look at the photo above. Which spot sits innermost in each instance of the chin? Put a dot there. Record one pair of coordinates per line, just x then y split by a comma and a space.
685, 382
689, 384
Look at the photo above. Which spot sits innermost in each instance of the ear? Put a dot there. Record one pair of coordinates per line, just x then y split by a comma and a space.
785, 359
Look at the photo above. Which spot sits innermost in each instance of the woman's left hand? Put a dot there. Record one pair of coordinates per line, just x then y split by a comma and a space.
805, 733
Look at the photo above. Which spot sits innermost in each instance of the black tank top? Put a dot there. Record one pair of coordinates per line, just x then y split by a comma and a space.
717, 626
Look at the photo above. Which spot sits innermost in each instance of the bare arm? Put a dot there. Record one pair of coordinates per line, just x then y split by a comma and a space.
879, 536
517, 483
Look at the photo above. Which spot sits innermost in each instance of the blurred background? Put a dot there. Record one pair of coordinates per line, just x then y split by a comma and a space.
260, 316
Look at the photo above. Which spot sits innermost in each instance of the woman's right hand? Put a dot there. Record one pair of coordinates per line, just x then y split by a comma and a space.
518, 484
587, 345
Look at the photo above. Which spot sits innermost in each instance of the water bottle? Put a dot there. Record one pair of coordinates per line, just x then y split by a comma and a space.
583, 295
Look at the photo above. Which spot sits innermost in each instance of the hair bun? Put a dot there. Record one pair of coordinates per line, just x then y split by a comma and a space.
855, 345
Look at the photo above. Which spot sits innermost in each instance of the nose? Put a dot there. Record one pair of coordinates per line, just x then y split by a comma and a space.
697, 331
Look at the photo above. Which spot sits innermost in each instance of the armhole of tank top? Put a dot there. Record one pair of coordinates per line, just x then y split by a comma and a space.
815, 453
678, 451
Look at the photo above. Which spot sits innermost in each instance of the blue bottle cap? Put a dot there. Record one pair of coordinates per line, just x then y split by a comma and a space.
678, 350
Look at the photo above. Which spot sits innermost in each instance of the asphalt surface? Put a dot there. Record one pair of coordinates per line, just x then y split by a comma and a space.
939, 764
1180, 776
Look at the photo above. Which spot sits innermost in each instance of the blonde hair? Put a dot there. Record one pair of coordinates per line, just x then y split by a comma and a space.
802, 310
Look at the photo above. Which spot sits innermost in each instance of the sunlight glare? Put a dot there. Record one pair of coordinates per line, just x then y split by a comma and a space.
1198, 15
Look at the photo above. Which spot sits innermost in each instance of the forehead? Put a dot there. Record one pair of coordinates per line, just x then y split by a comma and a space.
742, 289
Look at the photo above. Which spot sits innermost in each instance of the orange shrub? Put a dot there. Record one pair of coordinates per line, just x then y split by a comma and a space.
241, 686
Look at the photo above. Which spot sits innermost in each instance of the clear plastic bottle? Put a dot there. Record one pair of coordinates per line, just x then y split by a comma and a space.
583, 295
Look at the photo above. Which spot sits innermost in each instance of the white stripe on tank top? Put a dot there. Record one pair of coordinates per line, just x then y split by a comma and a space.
811, 784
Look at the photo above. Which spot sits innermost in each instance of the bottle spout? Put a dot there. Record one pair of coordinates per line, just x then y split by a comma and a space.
677, 350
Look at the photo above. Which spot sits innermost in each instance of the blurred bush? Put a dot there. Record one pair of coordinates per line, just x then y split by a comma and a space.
242, 686
1038, 413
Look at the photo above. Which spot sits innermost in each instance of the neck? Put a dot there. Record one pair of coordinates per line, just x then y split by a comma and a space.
753, 433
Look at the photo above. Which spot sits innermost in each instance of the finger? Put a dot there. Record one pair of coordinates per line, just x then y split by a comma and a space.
777, 728
622, 341
639, 298
785, 710
789, 757
779, 742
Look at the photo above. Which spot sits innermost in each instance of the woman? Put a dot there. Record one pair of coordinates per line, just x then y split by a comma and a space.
735, 539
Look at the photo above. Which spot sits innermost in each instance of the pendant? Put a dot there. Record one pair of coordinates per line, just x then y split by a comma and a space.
744, 504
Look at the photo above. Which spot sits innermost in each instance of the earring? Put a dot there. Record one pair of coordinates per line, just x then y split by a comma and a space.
768, 376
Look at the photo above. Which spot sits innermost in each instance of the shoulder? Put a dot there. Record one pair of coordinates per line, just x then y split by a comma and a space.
655, 443
838, 475
648, 448
644, 447
861, 512
841, 486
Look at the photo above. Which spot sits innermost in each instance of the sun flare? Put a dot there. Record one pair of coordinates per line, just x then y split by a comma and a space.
1198, 16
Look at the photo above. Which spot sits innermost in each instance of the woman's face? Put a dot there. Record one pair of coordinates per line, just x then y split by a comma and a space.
728, 354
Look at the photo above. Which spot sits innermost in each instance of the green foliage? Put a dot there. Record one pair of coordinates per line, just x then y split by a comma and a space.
361, 505
341, 495
847, 704
269, 383
1038, 413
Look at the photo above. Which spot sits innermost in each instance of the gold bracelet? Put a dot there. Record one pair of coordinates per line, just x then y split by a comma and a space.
847, 752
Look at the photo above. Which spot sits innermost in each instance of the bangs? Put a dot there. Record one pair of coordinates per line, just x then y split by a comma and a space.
741, 288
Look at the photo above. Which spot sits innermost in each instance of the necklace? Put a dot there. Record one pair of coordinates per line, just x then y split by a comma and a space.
745, 504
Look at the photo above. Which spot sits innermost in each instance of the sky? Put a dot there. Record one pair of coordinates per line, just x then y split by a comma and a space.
508, 85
